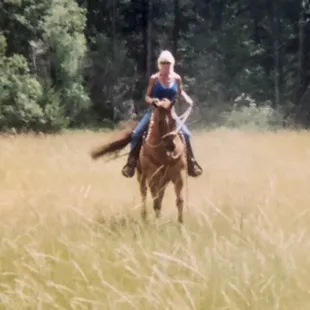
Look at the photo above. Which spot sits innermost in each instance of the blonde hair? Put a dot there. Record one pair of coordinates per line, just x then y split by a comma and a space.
166, 56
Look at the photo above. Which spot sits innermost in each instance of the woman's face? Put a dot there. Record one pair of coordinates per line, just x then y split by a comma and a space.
165, 66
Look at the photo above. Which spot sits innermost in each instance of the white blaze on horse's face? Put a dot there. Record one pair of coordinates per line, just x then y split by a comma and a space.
167, 120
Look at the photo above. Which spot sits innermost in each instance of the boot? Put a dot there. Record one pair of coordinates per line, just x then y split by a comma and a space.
193, 168
128, 170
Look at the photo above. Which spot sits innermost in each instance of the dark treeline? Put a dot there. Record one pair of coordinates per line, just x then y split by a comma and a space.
72, 63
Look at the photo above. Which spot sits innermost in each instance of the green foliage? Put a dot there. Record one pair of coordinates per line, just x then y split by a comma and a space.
54, 112
63, 32
253, 116
19, 95
111, 82
3, 45
80, 62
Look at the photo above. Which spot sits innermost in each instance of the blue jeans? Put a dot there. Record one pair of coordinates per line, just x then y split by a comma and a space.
143, 126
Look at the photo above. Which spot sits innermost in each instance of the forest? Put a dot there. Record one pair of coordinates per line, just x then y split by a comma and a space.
86, 63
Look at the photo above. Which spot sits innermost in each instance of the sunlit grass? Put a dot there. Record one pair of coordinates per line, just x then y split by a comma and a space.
71, 235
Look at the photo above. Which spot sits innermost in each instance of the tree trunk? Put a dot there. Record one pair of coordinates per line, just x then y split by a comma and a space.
275, 28
149, 39
175, 36
113, 57
300, 52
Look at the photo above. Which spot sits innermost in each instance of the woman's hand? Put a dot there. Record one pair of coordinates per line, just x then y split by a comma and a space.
155, 102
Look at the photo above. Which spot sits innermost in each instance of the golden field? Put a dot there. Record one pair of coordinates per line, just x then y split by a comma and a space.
71, 235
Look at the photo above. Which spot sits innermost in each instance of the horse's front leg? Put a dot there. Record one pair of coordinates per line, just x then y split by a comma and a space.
157, 196
157, 189
143, 192
179, 187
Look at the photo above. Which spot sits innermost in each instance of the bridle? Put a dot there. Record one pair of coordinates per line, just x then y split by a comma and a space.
182, 118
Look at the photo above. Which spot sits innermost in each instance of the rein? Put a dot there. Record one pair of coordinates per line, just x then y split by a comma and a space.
183, 118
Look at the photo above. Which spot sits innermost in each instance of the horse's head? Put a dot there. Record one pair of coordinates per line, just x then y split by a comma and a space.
163, 118
165, 123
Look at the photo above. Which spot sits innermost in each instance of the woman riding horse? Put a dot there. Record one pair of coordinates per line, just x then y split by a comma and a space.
164, 84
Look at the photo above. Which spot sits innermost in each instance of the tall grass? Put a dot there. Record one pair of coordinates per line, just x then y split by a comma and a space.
71, 235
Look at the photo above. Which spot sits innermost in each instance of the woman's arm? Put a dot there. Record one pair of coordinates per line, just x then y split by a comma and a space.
182, 92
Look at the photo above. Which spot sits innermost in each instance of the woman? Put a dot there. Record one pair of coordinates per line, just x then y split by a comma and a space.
164, 84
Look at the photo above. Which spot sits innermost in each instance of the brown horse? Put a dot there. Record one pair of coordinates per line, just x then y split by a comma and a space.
162, 158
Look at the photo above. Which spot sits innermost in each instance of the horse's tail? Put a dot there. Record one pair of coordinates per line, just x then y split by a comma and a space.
124, 137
